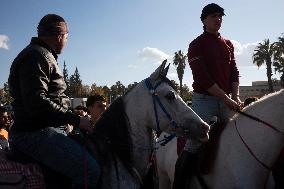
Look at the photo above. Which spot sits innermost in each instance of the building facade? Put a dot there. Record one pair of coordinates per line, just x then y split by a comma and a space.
258, 89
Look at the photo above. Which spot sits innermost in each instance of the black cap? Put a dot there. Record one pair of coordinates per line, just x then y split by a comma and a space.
211, 9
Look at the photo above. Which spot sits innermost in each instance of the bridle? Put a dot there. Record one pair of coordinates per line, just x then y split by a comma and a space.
173, 124
156, 100
246, 145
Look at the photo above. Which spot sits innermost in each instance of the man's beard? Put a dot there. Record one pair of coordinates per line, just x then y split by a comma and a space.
58, 49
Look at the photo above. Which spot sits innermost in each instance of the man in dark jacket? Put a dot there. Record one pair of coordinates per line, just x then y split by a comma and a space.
40, 106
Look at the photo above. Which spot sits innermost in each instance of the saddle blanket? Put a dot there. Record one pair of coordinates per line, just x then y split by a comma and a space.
14, 173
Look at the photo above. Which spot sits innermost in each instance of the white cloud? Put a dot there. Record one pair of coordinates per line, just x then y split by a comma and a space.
244, 52
4, 42
153, 55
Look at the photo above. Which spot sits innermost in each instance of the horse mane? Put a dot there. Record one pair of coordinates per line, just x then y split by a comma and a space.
113, 128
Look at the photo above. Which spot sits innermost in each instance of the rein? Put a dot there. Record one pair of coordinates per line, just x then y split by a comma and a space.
259, 120
246, 145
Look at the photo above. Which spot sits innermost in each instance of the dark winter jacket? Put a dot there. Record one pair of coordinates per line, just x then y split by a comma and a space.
37, 87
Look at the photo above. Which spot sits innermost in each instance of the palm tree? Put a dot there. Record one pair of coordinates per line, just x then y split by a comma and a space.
263, 55
179, 62
279, 58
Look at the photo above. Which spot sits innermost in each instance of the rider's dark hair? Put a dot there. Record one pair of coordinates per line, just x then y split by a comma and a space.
94, 98
211, 9
52, 24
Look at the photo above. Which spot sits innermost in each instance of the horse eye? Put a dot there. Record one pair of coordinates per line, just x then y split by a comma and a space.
171, 96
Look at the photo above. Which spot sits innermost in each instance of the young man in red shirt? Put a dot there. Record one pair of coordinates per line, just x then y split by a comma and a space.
215, 84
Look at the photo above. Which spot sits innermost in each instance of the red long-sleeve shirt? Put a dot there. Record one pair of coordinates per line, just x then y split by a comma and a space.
212, 60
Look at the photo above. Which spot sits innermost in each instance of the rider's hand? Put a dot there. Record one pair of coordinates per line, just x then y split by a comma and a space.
85, 124
238, 101
232, 104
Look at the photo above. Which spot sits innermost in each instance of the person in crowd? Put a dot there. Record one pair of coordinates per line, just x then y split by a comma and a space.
215, 85
96, 105
4, 128
250, 100
5, 118
40, 107
81, 110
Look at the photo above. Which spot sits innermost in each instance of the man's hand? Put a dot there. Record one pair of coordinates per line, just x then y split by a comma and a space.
235, 95
85, 124
234, 103
238, 101
231, 103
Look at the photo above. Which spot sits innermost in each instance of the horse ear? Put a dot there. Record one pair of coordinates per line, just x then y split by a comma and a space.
165, 72
159, 71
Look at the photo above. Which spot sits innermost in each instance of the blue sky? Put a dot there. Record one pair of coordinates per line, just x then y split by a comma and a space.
125, 40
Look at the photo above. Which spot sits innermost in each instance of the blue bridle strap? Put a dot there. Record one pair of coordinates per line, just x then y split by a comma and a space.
157, 99
166, 139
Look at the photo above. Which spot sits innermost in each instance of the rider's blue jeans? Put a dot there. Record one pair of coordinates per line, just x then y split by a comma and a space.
58, 152
206, 107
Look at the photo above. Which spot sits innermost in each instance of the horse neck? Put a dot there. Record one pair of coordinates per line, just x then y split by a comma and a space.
235, 162
264, 141
141, 133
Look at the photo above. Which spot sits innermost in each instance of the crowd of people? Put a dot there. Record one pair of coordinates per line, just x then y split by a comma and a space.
95, 106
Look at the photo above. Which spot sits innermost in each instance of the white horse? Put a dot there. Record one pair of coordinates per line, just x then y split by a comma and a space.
166, 157
125, 135
247, 148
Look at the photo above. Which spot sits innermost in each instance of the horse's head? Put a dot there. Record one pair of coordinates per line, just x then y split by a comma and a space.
163, 109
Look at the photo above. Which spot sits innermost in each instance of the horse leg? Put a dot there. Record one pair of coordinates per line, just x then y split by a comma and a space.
164, 180
186, 167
